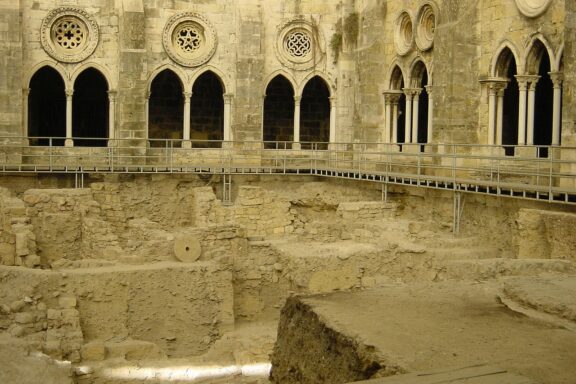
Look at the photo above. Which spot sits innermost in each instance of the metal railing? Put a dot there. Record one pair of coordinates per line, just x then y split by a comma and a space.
534, 172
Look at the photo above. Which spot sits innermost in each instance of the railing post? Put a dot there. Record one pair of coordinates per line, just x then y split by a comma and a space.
551, 156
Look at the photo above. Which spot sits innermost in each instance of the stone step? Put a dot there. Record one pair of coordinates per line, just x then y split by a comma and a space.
481, 269
468, 253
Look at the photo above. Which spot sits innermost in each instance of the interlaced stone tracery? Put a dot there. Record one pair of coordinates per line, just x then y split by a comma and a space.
298, 44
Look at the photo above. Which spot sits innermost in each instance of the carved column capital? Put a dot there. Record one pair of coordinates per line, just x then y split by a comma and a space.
557, 78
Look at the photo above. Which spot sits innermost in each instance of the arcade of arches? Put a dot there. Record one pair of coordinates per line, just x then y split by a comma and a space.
525, 109
182, 116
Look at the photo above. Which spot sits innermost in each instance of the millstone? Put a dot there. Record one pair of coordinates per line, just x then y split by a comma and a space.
187, 248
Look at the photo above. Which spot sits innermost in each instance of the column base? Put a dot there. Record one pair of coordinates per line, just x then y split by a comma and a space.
296, 146
68, 143
187, 144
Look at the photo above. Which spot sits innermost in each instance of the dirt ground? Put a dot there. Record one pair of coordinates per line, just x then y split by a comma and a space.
419, 327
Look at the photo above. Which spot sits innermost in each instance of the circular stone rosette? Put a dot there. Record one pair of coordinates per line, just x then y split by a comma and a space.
69, 35
426, 27
403, 33
189, 39
533, 8
298, 45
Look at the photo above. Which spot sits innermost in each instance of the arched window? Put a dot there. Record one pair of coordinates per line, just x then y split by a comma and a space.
165, 109
507, 123
398, 106
90, 109
315, 113
47, 107
420, 101
278, 112
539, 64
207, 111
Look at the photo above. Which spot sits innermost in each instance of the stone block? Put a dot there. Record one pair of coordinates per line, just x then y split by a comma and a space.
25, 317
93, 351
7, 254
67, 302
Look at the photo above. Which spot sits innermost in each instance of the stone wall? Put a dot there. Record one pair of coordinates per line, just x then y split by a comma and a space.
61, 311
546, 235
11, 70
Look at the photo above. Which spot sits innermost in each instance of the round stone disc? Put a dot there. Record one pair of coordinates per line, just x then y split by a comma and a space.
187, 248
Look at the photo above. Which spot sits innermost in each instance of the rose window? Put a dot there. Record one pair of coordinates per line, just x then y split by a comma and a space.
298, 44
69, 33
188, 38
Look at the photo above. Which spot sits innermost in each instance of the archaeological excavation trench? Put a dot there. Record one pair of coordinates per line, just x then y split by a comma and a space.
153, 279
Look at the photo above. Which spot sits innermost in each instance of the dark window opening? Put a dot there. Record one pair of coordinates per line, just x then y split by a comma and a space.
543, 111
278, 113
90, 109
423, 112
47, 107
510, 114
315, 114
165, 110
207, 111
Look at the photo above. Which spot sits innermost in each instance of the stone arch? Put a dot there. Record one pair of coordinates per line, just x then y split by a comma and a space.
176, 70
226, 85
396, 77
46, 107
90, 107
540, 61
277, 73
327, 80
418, 70
419, 80
103, 71
278, 112
165, 107
505, 53
558, 62
52, 64
207, 109
315, 111
537, 48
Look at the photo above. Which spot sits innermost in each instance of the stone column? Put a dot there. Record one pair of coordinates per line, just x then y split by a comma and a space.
430, 128
499, 114
25, 133
387, 119
186, 134
491, 113
147, 111
333, 112
531, 108
228, 117
557, 79
69, 142
394, 120
523, 88
111, 117
297, 100
408, 118
415, 114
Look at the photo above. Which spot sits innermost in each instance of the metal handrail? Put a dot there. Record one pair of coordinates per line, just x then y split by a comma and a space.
455, 164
